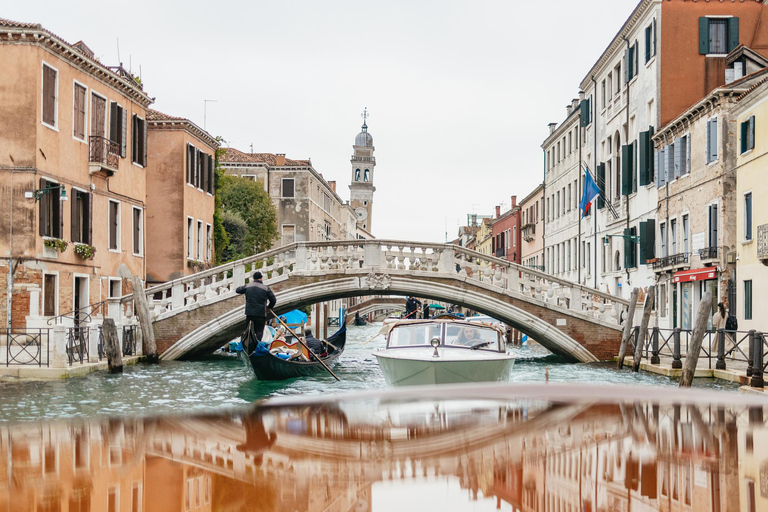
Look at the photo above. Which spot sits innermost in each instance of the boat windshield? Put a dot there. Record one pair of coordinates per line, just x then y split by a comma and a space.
410, 335
471, 335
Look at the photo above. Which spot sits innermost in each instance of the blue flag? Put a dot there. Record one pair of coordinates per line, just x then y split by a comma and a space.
591, 191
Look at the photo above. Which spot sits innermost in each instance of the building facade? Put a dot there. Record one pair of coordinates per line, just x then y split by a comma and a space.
180, 176
73, 174
532, 229
505, 229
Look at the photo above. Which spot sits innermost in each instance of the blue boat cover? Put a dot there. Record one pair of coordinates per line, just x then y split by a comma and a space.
294, 317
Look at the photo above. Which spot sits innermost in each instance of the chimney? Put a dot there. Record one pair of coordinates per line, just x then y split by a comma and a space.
514, 202
575, 103
498, 211
280, 159
552, 127
332, 184
581, 95
569, 109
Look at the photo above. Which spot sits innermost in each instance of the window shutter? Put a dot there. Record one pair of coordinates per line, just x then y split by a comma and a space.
670, 163
627, 249
114, 123
212, 174
651, 161
643, 158
60, 205
751, 137
124, 132
204, 166
601, 185
647, 235
708, 155
713, 140
144, 138
43, 211
134, 139
634, 166
49, 96
626, 169
688, 153
648, 37
678, 157
74, 218
87, 219
703, 36
653, 49
743, 134
627, 65
584, 113
733, 33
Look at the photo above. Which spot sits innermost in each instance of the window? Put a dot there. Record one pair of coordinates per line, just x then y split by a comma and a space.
602, 94
200, 240
190, 235
51, 211
50, 99
138, 231
650, 40
711, 155
630, 56
663, 238
115, 287
139, 141
748, 300
617, 77
326, 202
208, 241
357, 174
569, 197
98, 115
118, 126
748, 134
114, 225
712, 232
718, 36
50, 294
191, 163
287, 187
81, 216
78, 112
686, 230
609, 79
673, 235
748, 216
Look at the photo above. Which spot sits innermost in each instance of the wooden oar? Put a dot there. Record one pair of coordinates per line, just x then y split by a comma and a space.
304, 345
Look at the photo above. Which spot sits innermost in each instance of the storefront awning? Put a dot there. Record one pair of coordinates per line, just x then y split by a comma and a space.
696, 274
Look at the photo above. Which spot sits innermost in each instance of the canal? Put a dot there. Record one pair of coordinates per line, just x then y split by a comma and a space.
223, 381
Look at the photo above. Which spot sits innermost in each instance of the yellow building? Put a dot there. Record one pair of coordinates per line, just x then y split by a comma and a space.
484, 237
751, 213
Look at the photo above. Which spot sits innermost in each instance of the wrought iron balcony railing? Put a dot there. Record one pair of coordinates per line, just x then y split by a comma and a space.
708, 253
671, 261
104, 155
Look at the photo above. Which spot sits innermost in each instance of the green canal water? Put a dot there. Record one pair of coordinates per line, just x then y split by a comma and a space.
224, 382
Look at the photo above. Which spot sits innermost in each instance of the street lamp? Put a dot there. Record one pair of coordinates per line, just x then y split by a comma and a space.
39, 193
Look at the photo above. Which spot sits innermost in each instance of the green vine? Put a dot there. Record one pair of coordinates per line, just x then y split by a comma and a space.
56, 243
85, 251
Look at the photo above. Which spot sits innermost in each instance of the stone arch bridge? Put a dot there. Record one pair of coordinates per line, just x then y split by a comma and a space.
199, 313
385, 304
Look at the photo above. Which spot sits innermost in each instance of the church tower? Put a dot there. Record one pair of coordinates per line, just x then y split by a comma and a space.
361, 189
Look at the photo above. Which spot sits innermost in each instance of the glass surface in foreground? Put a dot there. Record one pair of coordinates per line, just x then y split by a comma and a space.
521, 447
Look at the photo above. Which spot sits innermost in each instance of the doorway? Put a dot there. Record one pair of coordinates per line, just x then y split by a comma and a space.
80, 304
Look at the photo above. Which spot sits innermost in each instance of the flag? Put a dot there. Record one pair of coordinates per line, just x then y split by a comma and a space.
591, 191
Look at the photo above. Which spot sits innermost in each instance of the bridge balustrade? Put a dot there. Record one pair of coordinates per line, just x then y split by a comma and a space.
374, 259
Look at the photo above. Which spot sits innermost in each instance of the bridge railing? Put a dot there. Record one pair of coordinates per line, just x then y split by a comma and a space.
381, 256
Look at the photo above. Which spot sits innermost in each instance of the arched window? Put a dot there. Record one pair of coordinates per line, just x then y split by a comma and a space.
367, 175
357, 174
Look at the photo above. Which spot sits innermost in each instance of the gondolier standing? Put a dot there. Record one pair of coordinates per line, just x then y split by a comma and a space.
258, 297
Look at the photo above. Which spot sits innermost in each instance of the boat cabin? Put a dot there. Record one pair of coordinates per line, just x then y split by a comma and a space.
445, 334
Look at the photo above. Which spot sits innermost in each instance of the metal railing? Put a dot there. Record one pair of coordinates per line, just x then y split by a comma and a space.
77, 344
708, 253
27, 347
129, 340
670, 261
103, 151
82, 315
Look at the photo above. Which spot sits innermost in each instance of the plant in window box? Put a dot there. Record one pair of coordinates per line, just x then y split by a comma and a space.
195, 264
56, 243
85, 251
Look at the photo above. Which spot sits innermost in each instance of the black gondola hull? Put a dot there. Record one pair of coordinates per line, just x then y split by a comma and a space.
269, 367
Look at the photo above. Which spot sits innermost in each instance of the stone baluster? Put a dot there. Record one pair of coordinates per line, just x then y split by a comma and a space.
576, 299
301, 256
177, 295
513, 279
313, 260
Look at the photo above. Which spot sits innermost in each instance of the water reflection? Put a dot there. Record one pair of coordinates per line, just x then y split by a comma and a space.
400, 452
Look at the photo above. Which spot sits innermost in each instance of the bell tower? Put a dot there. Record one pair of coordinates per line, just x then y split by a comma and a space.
361, 188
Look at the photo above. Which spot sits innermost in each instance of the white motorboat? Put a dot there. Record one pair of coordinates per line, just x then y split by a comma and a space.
443, 351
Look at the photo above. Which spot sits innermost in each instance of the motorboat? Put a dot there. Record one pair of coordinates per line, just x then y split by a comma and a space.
442, 351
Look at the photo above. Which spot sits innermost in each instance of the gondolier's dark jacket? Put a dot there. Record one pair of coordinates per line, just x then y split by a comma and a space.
258, 297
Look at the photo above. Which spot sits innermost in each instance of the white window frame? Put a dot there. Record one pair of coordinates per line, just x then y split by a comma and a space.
208, 242
141, 231
87, 278
111, 280
200, 240
190, 237
119, 229
84, 140
744, 209
56, 294
55, 127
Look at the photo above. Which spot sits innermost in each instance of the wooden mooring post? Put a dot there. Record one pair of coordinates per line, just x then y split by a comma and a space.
627, 328
145, 321
647, 310
697, 336
112, 346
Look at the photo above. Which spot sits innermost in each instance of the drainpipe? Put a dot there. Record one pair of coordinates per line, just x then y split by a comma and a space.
594, 154
627, 141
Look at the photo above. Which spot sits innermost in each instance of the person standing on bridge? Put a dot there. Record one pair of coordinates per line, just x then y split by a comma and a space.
258, 298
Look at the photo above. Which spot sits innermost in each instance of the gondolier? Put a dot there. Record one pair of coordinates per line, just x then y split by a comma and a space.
258, 297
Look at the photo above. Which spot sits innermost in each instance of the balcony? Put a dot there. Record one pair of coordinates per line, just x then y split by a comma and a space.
103, 155
529, 232
672, 262
708, 255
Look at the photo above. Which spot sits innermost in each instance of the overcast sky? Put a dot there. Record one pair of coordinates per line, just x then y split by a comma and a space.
460, 93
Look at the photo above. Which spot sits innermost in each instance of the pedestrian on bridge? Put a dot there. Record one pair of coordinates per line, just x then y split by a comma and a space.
258, 298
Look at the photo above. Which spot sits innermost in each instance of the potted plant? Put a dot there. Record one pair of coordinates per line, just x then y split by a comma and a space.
85, 251
56, 243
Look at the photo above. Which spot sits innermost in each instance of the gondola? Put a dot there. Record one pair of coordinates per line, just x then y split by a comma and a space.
270, 367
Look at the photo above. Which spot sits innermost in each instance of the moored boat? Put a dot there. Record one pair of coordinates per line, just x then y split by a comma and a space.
271, 367
443, 351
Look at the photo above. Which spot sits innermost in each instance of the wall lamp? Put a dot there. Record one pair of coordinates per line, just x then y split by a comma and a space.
39, 193
632, 238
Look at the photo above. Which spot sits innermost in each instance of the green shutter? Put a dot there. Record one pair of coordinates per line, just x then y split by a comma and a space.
703, 36
651, 159
744, 132
733, 33
601, 185
644, 158
647, 240
626, 169
627, 249
584, 113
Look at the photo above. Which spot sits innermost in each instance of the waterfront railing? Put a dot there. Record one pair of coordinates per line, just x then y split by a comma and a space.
27, 347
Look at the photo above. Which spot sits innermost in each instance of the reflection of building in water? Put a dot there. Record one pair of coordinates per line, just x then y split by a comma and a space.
532, 455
